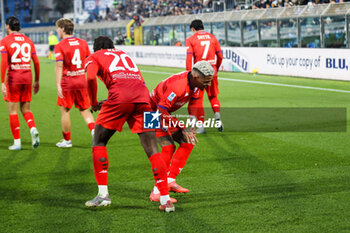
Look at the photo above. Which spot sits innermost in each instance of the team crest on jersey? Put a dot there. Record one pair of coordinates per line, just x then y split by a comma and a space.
171, 96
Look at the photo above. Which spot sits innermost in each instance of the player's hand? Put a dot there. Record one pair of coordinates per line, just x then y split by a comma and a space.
190, 136
36, 87
3, 89
97, 107
59, 91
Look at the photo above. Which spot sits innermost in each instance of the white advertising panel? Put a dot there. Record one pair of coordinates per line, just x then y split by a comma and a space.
300, 62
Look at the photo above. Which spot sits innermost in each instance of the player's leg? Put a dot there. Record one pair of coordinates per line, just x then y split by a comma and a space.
29, 118
66, 128
179, 161
168, 149
149, 143
82, 103
89, 120
195, 109
100, 161
14, 125
66, 104
213, 92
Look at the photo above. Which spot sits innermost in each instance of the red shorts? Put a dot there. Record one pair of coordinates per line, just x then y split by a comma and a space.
114, 116
168, 132
18, 93
78, 97
213, 90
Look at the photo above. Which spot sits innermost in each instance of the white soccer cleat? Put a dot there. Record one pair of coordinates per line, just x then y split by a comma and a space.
35, 137
99, 201
200, 130
64, 144
15, 147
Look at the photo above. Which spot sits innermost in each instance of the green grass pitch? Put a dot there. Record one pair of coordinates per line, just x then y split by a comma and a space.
239, 182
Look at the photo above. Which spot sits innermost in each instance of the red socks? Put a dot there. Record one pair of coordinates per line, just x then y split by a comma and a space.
159, 173
179, 159
66, 136
14, 124
100, 160
91, 126
215, 103
167, 154
28, 116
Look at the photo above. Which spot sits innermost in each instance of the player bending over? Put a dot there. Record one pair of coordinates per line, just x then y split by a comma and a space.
128, 98
16, 52
170, 95
70, 79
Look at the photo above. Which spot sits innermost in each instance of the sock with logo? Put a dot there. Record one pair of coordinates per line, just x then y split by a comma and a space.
66, 136
159, 173
14, 124
179, 159
91, 126
167, 154
100, 160
215, 103
28, 116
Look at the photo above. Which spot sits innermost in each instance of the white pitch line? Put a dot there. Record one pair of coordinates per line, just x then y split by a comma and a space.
264, 83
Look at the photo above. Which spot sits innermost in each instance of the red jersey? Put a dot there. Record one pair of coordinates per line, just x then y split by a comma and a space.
121, 76
18, 50
173, 92
73, 52
203, 46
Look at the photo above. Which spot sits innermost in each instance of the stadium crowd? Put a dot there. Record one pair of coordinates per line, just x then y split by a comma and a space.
155, 8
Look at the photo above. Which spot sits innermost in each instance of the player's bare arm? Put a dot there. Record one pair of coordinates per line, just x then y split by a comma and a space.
58, 73
92, 70
36, 85
3, 73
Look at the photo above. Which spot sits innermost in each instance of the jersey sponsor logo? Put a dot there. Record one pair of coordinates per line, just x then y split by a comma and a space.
20, 66
73, 43
123, 75
171, 96
76, 73
19, 38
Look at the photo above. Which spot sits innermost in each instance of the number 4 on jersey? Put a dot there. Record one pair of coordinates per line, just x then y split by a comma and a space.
76, 59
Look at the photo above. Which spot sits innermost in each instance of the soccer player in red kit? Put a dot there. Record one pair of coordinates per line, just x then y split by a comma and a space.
70, 79
128, 98
16, 52
170, 95
203, 46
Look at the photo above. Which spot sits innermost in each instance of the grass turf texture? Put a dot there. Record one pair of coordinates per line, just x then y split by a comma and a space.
239, 182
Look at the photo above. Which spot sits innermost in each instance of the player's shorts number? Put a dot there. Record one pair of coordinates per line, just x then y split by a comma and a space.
114, 65
23, 49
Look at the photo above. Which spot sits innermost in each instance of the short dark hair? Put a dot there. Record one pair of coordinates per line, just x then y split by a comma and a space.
66, 24
13, 23
197, 24
103, 42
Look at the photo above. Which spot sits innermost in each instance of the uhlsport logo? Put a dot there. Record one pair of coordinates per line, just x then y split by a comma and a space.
151, 120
